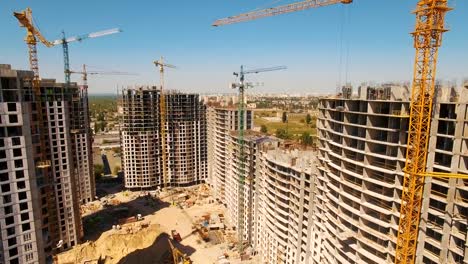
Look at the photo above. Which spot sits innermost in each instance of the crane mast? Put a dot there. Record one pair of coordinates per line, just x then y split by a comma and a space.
162, 111
242, 85
430, 25
25, 19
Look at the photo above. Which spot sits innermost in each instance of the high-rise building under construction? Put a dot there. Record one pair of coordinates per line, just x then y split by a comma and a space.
362, 143
341, 204
39, 207
221, 121
185, 144
82, 138
244, 218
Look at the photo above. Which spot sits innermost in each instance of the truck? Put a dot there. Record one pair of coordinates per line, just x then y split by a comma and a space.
176, 236
131, 219
128, 220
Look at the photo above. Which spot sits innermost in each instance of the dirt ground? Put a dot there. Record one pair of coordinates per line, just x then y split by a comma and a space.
119, 247
148, 245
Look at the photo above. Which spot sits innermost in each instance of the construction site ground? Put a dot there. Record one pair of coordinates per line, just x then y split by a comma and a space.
146, 241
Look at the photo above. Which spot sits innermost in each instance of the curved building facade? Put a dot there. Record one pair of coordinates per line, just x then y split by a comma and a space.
284, 206
362, 148
222, 120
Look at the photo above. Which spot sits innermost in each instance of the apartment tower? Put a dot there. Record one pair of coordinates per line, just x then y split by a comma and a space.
362, 148
221, 121
185, 130
39, 209
284, 212
244, 218
82, 137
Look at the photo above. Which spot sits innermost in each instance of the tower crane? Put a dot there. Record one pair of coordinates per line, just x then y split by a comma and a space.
162, 111
242, 85
25, 19
32, 34
430, 25
64, 41
84, 73
84, 89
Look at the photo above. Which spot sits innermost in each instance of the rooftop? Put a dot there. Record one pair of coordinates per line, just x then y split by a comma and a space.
297, 159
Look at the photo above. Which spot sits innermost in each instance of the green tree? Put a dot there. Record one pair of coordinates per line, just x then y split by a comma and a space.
283, 133
98, 171
308, 119
264, 129
116, 169
306, 139
100, 117
96, 127
285, 117
103, 125
314, 103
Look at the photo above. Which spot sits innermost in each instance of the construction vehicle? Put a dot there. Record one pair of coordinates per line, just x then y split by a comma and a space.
242, 85
162, 111
178, 256
430, 25
196, 228
176, 236
131, 219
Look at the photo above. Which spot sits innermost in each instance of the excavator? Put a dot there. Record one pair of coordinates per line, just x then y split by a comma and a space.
178, 256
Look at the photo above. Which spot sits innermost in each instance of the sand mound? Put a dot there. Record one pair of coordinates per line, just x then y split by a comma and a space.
111, 247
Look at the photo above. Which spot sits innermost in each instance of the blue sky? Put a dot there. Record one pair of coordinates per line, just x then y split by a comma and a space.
376, 33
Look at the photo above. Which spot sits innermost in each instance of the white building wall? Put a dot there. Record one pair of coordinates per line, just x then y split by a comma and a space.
140, 159
62, 167
221, 122
185, 139
18, 230
362, 148
285, 200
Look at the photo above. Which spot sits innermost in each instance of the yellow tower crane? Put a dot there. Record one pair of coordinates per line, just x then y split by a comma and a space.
430, 25
162, 111
25, 19
32, 34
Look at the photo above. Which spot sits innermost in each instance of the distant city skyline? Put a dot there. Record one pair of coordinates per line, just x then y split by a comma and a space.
375, 40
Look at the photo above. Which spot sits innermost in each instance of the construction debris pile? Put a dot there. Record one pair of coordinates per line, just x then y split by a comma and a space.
112, 247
